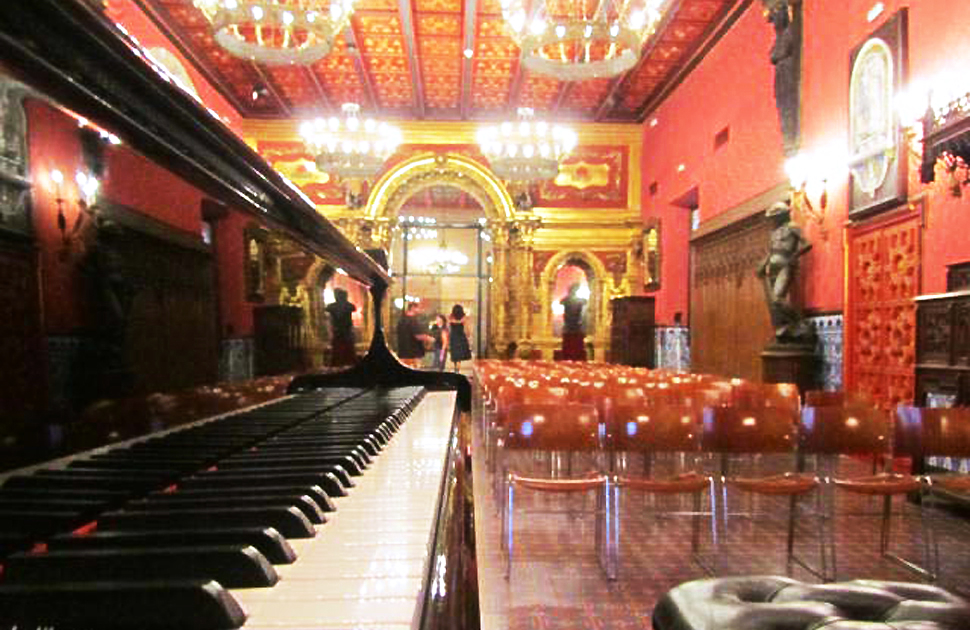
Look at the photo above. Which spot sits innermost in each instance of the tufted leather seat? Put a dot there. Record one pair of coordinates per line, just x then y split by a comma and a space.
778, 603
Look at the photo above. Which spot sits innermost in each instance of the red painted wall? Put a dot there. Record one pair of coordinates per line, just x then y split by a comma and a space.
53, 145
732, 88
133, 181
127, 13
236, 314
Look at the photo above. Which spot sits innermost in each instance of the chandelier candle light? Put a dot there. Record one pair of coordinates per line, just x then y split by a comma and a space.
574, 40
277, 31
526, 150
350, 148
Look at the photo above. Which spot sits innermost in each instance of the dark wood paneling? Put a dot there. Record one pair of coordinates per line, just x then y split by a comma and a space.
22, 385
729, 320
631, 335
172, 340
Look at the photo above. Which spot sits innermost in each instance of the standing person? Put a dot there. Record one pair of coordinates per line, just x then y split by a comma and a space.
439, 332
341, 312
410, 336
457, 338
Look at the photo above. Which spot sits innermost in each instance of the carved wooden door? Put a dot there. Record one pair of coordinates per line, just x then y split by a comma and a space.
729, 320
880, 332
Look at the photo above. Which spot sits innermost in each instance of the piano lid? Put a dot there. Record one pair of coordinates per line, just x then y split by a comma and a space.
73, 53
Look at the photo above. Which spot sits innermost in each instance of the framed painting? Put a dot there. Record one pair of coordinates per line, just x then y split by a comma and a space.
877, 164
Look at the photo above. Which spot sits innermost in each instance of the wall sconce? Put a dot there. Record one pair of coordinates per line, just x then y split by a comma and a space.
809, 175
87, 192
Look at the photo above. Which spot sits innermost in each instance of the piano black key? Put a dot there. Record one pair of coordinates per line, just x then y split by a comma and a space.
40, 522
256, 460
266, 540
288, 521
71, 481
244, 479
14, 541
176, 500
65, 605
314, 493
233, 566
271, 471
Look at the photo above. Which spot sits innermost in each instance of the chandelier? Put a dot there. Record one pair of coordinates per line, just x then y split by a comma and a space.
277, 31
350, 148
574, 40
526, 150
438, 260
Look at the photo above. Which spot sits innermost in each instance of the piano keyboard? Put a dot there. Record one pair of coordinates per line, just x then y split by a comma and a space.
168, 523
367, 565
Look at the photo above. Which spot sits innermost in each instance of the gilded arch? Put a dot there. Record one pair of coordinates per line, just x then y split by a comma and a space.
597, 286
435, 169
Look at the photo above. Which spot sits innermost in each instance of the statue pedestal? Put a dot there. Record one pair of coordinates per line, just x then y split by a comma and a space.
790, 363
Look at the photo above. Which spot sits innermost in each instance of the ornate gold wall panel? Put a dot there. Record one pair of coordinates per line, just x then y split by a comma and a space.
529, 244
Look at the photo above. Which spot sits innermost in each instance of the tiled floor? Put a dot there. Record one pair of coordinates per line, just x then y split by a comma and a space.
556, 581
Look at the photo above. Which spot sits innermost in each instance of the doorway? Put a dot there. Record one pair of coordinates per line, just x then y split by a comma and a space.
441, 255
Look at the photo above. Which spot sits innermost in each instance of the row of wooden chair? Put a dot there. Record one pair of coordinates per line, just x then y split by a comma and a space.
717, 435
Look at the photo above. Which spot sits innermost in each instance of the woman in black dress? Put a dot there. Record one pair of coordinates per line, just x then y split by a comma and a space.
457, 339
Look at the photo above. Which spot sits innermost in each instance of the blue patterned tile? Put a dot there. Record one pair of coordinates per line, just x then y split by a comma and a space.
829, 335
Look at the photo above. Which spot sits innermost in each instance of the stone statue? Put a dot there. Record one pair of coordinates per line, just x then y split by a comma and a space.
573, 333
779, 270
785, 55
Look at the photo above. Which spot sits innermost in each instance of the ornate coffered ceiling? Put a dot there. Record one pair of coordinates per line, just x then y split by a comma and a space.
404, 59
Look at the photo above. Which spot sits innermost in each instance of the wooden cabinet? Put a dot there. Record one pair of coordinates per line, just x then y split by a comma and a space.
279, 340
943, 348
631, 337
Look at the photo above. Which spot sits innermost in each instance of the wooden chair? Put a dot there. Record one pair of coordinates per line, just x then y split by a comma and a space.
673, 432
763, 432
857, 430
940, 434
557, 429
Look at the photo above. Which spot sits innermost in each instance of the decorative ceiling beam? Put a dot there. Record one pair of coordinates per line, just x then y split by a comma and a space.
564, 89
354, 50
318, 88
164, 21
515, 88
711, 38
274, 91
608, 104
468, 40
406, 13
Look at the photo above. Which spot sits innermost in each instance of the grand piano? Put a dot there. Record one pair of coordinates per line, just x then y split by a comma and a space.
343, 504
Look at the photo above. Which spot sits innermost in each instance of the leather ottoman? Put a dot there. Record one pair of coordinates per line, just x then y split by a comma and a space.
779, 603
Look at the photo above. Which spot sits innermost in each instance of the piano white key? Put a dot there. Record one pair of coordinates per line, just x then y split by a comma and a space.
366, 566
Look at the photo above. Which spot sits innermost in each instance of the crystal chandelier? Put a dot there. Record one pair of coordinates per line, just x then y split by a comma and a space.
574, 40
350, 148
526, 150
277, 31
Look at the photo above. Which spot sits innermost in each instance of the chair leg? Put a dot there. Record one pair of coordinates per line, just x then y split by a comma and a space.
509, 530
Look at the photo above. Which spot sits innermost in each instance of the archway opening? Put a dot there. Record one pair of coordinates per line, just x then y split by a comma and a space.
441, 255
574, 272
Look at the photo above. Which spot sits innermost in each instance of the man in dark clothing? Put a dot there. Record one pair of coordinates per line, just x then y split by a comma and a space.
411, 338
341, 312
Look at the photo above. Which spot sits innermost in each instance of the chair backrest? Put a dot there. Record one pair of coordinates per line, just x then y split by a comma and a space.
851, 430
934, 432
655, 428
823, 398
760, 430
553, 427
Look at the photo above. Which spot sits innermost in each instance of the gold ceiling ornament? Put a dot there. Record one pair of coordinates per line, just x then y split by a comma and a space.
277, 31
574, 40
352, 149
526, 150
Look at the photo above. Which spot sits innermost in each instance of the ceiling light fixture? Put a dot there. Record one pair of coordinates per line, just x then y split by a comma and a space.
526, 150
573, 40
351, 148
277, 31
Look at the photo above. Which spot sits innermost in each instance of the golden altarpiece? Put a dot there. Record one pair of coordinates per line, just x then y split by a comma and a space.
588, 217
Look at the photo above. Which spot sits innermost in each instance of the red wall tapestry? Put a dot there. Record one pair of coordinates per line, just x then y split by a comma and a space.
883, 278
